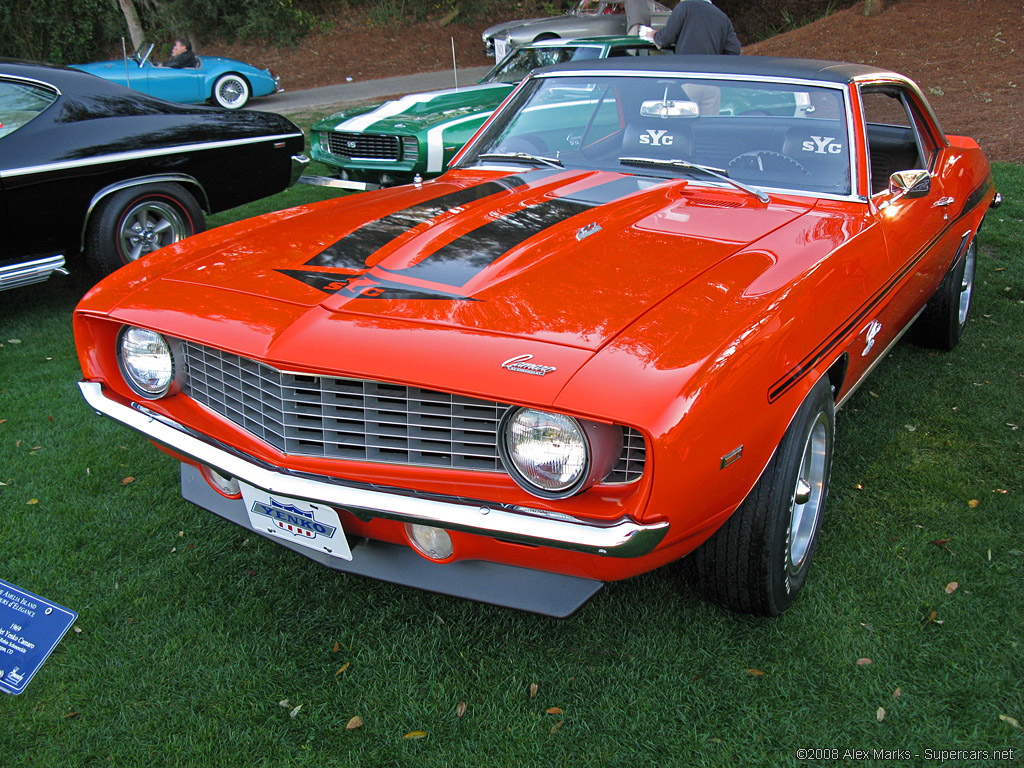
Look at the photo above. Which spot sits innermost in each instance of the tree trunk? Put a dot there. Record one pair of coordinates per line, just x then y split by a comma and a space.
873, 7
134, 25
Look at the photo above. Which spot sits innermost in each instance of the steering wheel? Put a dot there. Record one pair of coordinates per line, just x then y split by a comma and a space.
764, 162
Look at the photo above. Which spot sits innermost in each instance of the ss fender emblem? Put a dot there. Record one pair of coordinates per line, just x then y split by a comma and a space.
870, 332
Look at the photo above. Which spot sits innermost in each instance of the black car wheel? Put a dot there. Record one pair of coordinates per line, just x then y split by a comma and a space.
944, 319
757, 561
139, 220
231, 91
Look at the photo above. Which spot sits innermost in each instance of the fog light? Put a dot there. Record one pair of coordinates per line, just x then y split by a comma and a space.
225, 486
435, 543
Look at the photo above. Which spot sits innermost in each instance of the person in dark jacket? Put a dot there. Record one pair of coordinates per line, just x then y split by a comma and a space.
698, 27
181, 55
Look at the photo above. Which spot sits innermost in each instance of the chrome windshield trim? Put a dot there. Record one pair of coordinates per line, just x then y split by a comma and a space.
618, 538
115, 157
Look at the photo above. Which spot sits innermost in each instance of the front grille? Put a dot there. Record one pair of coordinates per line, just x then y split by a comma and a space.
365, 146
361, 420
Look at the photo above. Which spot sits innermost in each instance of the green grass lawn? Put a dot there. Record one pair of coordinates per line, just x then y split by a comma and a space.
200, 644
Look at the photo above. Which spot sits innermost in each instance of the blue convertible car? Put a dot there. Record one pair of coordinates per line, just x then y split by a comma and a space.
226, 82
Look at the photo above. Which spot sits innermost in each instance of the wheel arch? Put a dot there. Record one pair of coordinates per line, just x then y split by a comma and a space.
189, 182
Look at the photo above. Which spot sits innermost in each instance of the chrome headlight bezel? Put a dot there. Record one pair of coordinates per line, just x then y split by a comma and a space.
168, 371
601, 445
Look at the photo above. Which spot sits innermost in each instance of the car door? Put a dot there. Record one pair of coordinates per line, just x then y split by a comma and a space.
917, 224
21, 101
172, 84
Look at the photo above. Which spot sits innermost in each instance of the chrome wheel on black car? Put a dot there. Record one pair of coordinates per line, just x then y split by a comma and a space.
139, 220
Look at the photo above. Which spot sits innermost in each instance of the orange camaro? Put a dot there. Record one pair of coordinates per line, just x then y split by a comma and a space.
614, 334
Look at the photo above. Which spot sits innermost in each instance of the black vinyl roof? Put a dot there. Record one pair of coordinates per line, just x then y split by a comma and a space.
761, 66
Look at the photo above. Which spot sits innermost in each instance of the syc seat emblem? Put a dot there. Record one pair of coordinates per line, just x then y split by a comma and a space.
657, 138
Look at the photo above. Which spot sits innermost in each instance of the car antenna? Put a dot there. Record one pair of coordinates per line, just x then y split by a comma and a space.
124, 56
455, 69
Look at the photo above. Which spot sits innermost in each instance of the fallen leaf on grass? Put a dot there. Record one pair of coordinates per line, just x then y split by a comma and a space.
942, 543
932, 618
285, 703
863, 662
71, 713
336, 648
343, 668
1010, 721
2, 421
533, 690
556, 726
897, 693
78, 630
415, 735
32, 502
880, 714
295, 711
754, 672
354, 723
460, 710
128, 480
973, 503
952, 587
553, 710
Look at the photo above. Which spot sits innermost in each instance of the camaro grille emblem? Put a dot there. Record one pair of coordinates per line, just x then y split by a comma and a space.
521, 364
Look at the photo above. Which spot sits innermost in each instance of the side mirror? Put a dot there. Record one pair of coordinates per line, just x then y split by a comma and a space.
910, 184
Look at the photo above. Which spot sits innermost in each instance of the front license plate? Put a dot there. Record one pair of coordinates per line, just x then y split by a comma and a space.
301, 522
500, 48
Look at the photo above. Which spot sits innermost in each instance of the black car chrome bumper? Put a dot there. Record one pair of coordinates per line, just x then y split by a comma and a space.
299, 163
620, 538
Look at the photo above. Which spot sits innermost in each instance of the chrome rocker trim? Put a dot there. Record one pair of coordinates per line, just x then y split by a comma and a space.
524, 525
30, 272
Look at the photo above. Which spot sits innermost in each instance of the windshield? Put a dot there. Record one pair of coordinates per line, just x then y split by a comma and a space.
519, 63
773, 135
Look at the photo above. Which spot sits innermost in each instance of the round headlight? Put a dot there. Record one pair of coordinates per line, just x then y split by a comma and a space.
146, 362
546, 453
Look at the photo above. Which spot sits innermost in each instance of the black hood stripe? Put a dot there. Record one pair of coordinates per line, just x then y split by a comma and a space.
365, 286
352, 250
458, 262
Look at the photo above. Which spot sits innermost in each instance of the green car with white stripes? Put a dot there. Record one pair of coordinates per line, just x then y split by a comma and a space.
417, 135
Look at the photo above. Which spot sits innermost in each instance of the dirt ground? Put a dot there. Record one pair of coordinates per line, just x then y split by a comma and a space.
967, 56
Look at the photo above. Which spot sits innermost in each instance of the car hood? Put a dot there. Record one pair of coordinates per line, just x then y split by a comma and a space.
555, 260
498, 29
418, 111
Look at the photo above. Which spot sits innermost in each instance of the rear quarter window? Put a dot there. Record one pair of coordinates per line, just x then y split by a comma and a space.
22, 102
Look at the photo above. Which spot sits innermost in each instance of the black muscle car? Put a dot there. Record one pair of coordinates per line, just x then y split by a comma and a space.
90, 167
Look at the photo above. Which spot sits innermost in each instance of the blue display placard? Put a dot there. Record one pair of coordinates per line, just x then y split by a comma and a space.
30, 628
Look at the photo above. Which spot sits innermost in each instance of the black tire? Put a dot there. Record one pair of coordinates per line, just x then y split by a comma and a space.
757, 562
139, 220
942, 324
231, 91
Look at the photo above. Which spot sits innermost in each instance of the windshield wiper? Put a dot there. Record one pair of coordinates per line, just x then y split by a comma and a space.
718, 173
522, 157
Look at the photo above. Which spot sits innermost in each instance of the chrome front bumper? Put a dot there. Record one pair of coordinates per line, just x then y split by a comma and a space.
299, 163
620, 538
